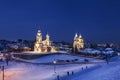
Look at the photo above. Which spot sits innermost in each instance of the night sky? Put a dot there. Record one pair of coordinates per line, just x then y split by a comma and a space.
97, 20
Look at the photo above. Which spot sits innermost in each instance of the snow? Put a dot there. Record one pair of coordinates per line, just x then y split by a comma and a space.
35, 52
28, 71
108, 52
90, 51
17, 71
51, 58
103, 72
108, 49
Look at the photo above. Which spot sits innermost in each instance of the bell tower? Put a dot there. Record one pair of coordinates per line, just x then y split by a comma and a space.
47, 40
39, 36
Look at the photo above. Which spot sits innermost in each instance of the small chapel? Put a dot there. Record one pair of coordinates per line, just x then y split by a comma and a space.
43, 46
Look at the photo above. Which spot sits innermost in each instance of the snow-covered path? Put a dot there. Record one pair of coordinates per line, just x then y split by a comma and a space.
103, 72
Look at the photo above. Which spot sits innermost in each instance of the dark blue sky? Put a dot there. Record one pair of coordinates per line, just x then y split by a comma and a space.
97, 20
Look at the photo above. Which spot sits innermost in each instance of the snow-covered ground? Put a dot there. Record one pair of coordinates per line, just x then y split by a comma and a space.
51, 58
25, 71
109, 71
28, 71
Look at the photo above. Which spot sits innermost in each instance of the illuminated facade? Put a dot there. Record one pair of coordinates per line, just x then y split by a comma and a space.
78, 42
43, 46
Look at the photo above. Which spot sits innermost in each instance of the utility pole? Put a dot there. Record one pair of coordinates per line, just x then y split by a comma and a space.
54, 62
3, 71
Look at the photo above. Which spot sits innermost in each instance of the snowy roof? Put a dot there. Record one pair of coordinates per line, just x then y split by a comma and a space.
91, 51
108, 52
108, 49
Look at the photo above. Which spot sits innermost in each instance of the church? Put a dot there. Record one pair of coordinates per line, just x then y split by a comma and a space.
78, 42
43, 46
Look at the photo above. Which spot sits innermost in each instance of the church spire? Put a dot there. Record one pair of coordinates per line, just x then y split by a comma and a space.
47, 36
39, 32
76, 36
80, 36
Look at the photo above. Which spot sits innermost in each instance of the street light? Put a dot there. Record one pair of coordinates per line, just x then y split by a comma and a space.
54, 62
2, 65
3, 71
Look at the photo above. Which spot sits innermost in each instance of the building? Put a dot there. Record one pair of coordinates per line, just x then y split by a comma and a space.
43, 45
78, 42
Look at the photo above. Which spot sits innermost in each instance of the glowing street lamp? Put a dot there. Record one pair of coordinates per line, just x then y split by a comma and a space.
3, 71
2, 65
54, 62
